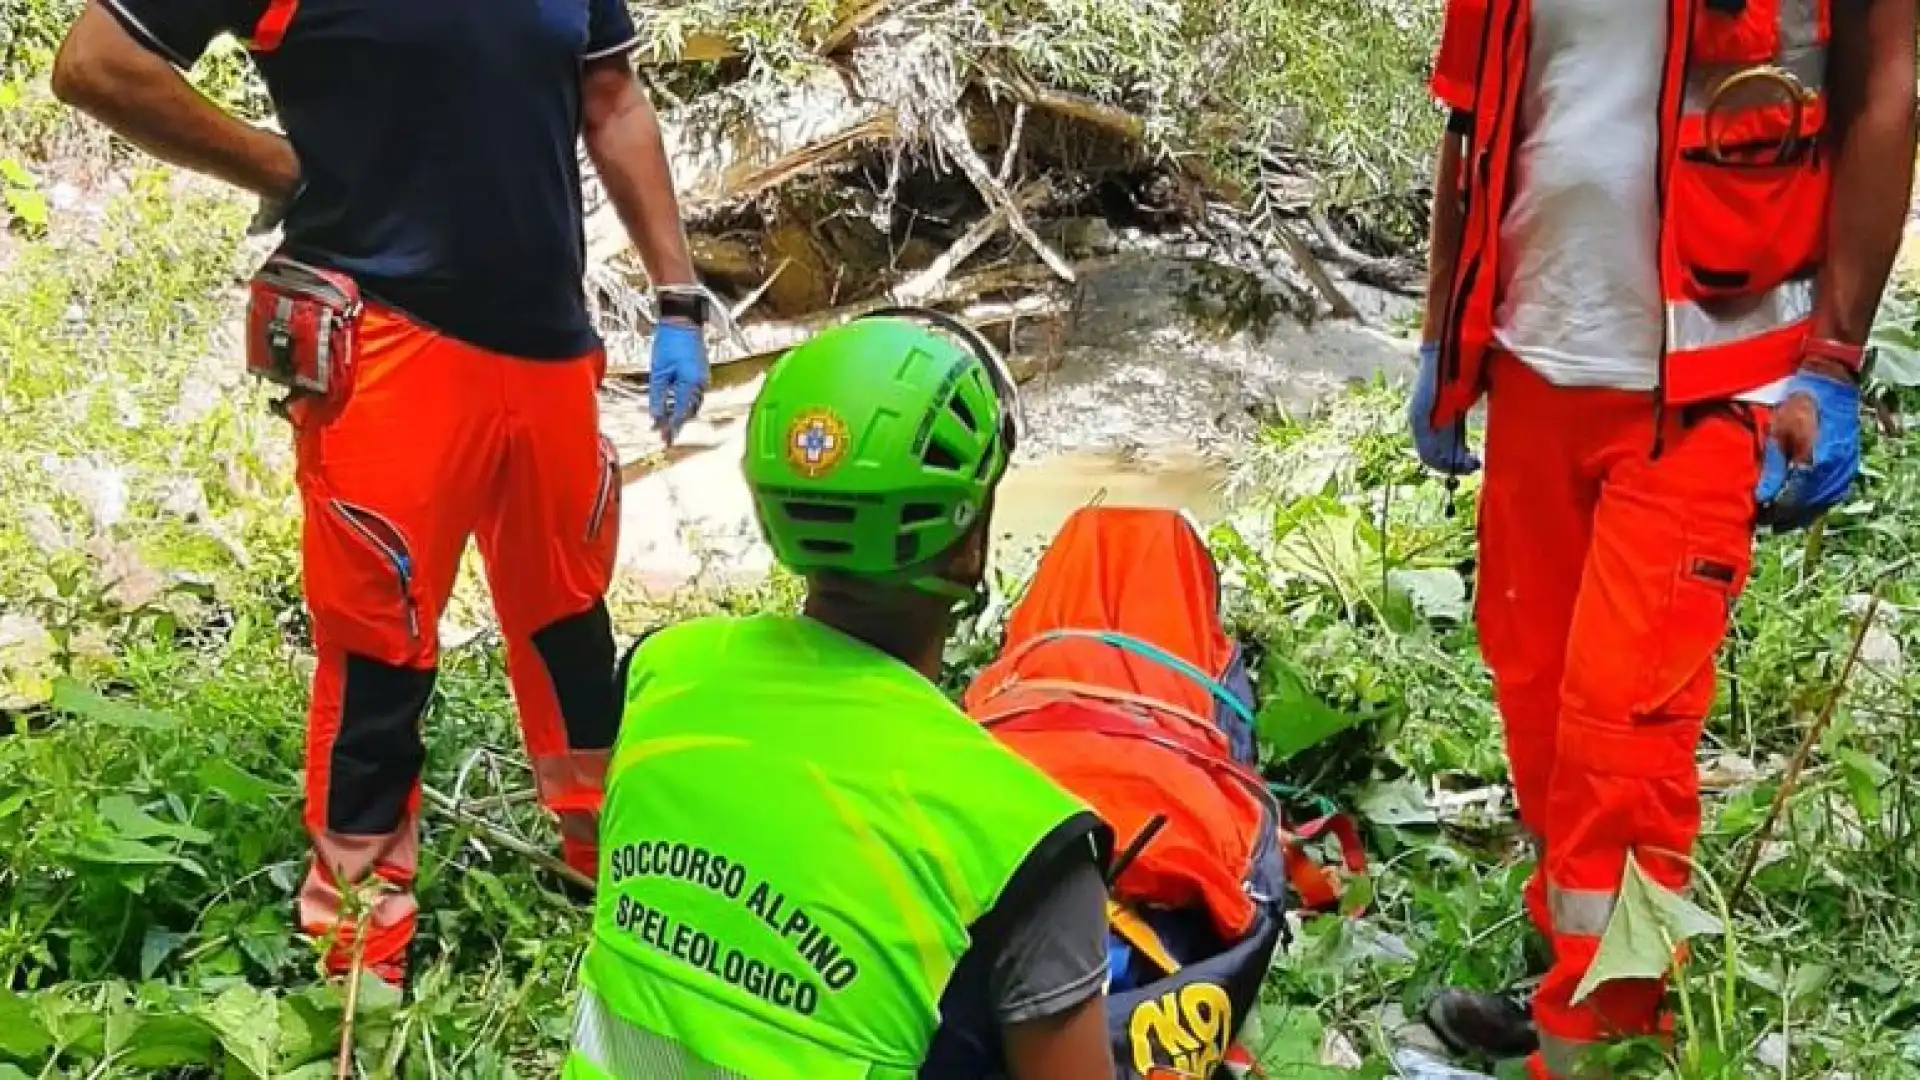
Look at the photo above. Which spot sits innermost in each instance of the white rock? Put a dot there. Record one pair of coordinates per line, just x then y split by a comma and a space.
1773, 1053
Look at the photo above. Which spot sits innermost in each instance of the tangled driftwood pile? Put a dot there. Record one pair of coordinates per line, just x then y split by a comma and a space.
894, 171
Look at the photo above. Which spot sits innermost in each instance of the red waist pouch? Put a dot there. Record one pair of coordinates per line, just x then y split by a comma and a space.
302, 328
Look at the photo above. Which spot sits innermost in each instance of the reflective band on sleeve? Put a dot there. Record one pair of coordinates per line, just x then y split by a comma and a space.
1580, 912
1692, 326
627, 1052
1570, 1059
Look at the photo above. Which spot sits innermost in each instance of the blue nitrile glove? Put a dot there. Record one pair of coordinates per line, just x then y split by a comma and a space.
1791, 494
677, 379
1443, 450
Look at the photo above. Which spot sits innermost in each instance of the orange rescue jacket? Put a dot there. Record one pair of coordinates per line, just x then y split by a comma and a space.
1743, 179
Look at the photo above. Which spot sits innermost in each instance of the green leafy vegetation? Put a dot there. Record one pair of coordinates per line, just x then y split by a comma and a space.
153, 653
1353, 568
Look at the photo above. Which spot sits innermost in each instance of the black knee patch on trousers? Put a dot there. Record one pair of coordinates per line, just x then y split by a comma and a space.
578, 654
378, 753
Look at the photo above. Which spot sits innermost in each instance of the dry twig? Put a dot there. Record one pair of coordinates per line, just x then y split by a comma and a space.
1805, 751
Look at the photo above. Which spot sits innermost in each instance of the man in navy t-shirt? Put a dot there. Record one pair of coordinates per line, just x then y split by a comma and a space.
430, 155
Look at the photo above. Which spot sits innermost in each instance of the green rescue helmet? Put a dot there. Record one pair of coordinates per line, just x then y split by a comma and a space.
873, 447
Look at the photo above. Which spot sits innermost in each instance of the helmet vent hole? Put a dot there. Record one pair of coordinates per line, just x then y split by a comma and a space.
906, 549
959, 408
916, 513
941, 456
986, 459
820, 513
818, 546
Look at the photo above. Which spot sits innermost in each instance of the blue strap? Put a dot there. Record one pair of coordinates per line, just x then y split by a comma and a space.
1153, 652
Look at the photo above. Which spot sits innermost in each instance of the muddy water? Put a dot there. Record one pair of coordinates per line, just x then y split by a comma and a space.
1136, 406
1036, 498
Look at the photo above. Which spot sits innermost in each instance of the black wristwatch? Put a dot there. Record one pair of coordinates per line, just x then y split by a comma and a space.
687, 307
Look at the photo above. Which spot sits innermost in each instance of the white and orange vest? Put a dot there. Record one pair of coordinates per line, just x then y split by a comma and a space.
1744, 180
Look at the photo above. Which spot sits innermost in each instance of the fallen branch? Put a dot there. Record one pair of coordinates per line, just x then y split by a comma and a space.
951, 133
1012, 150
843, 32
1120, 123
695, 48
746, 302
445, 807
1323, 283
733, 145
1382, 271
928, 281
1805, 751
769, 339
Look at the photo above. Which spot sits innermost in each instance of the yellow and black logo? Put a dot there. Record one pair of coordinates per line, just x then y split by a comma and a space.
1181, 1033
816, 441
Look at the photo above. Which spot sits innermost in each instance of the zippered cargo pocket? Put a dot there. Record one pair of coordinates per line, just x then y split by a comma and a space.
386, 541
606, 497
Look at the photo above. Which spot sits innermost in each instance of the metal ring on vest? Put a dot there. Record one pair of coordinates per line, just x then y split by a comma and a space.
1773, 75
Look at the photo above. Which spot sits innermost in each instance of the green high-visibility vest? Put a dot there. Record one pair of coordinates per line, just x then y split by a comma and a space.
798, 832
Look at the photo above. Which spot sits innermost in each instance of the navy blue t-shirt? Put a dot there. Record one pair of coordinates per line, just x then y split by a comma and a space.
439, 143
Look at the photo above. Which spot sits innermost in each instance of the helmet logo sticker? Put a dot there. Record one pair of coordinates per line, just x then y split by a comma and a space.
816, 442
962, 514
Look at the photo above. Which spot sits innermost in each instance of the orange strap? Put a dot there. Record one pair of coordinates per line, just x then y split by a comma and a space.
1318, 887
271, 30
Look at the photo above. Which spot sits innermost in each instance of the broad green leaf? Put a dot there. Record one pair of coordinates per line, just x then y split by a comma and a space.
29, 206
72, 1026
15, 173
155, 948
1291, 717
170, 1042
1396, 802
1323, 540
267, 939
70, 696
10, 1072
1649, 922
1287, 1043
310, 1026
116, 851
125, 817
1438, 592
246, 1021
22, 1035
225, 778
11, 805
1865, 775
1808, 979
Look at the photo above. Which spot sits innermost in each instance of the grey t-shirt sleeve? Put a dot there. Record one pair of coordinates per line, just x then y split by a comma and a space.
1054, 956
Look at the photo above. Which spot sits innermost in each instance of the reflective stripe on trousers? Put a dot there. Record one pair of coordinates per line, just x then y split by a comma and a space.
1580, 912
628, 1052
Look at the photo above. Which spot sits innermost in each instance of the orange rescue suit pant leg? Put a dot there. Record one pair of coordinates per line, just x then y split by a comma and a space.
1608, 575
440, 441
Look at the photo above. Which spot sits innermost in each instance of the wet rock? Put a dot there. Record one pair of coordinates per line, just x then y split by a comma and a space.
1417, 1065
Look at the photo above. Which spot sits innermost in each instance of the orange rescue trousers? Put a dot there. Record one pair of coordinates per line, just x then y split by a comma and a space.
440, 441
1608, 574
